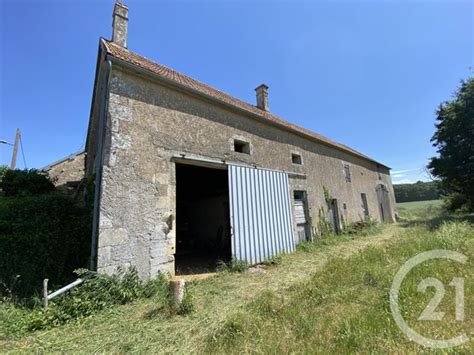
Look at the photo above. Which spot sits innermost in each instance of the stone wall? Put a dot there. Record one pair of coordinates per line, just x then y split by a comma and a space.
148, 124
67, 173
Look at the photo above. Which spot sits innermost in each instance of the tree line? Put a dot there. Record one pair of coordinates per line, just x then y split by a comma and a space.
419, 191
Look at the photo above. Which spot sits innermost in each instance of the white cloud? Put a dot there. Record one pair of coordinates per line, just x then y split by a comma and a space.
396, 172
408, 176
403, 180
398, 175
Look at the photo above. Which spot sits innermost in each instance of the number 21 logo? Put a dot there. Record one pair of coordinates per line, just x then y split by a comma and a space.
430, 312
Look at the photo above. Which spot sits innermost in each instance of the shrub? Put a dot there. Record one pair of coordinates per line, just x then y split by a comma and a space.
456, 202
25, 183
3, 171
41, 236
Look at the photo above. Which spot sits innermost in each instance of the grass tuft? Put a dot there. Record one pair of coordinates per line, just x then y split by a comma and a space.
233, 266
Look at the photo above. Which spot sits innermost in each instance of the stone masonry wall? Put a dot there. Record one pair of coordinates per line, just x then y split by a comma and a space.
67, 173
149, 123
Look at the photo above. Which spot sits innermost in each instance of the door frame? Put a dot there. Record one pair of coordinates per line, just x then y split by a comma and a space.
335, 215
383, 202
307, 224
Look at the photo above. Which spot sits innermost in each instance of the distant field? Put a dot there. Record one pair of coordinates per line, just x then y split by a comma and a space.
419, 204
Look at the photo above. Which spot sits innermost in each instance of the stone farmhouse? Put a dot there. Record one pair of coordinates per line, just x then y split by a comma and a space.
187, 175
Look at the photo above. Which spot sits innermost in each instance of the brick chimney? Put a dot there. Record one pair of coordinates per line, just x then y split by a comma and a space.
120, 24
262, 97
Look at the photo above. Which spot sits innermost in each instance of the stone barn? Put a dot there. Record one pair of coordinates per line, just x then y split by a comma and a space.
67, 173
187, 175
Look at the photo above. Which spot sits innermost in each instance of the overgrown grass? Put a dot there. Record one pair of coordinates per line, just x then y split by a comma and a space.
98, 292
329, 296
353, 231
346, 309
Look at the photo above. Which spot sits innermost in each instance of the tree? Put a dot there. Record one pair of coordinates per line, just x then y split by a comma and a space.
419, 191
25, 182
454, 140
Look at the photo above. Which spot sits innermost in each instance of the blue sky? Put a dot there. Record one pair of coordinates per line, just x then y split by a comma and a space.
368, 74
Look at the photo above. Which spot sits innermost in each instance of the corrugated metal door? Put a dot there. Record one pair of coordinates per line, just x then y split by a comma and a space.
260, 212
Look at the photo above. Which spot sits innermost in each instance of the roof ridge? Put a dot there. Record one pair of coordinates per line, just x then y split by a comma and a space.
69, 157
184, 80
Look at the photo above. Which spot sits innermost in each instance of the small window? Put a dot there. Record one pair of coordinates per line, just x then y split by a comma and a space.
378, 172
241, 147
347, 172
296, 159
298, 195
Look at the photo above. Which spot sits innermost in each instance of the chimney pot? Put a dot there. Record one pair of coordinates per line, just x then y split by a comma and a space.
120, 24
262, 97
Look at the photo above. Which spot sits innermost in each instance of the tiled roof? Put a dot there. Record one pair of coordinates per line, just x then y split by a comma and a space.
185, 81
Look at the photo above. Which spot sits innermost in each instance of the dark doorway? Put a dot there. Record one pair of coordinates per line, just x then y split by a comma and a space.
202, 219
384, 203
334, 216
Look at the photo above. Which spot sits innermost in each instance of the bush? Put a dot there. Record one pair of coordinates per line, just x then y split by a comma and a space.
41, 236
3, 171
25, 183
456, 202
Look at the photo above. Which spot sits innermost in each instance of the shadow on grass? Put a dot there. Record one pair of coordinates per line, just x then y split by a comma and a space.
434, 222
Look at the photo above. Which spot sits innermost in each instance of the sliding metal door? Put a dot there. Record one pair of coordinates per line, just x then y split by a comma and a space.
260, 211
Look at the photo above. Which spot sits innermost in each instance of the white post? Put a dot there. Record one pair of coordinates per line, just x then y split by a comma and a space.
15, 149
45, 294
177, 288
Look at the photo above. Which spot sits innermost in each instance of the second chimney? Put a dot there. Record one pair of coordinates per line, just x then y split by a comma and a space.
262, 97
120, 24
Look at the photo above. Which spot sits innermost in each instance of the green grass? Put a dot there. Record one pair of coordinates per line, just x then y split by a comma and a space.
327, 297
419, 204
345, 309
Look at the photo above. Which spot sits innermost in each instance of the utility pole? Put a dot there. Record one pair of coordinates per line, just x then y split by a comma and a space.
15, 149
